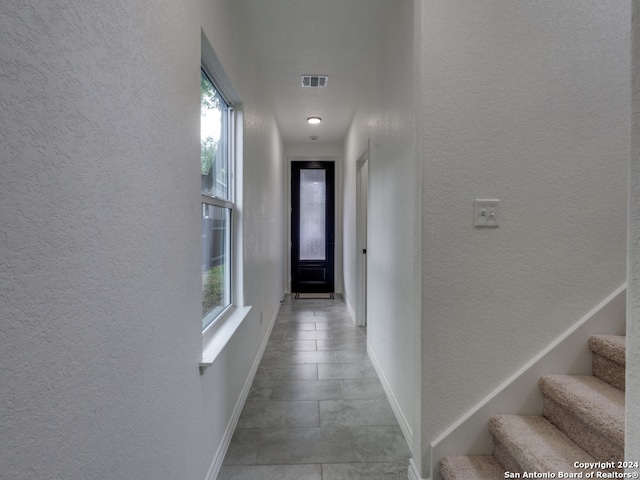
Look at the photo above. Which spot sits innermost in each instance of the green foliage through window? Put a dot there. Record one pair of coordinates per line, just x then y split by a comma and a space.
214, 292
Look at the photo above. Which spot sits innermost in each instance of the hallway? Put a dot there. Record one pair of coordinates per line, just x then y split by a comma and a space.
316, 409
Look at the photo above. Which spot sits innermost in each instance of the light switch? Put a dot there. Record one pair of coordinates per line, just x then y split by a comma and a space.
486, 213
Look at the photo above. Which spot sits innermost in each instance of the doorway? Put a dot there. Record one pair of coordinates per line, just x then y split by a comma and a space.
312, 227
362, 183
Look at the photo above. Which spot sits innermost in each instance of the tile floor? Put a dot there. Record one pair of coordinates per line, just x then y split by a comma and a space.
316, 409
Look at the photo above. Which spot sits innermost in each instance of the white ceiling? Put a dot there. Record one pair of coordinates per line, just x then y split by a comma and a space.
338, 38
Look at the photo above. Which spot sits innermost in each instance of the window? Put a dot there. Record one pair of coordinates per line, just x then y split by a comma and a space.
216, 175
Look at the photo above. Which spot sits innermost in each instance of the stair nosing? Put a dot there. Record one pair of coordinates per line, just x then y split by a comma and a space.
545, 454
612, 347
605, 413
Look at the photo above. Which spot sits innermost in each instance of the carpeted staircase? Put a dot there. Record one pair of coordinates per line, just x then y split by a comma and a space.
582, 421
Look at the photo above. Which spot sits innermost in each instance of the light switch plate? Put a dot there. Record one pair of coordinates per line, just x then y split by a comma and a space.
486, 212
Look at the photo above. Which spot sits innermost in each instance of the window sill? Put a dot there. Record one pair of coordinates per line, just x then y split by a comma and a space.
222, 335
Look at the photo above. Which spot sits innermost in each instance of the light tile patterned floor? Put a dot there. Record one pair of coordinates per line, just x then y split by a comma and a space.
316, 409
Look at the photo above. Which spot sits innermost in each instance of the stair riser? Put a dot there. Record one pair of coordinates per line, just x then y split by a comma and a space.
608, 371
501, 452
593, 442
470, 467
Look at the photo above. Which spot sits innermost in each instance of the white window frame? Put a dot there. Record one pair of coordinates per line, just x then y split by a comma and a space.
217, 334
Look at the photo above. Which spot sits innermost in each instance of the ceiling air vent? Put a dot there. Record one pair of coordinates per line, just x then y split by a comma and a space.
314, 80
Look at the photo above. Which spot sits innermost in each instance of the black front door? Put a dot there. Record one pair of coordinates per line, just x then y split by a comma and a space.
312, 227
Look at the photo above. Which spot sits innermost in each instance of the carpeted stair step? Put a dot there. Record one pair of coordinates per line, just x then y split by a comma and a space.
587, 410
470, 467
533, 444
608, 358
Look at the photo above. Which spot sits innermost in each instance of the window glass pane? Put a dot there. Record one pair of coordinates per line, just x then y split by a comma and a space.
216, 266
313, 202
214, 152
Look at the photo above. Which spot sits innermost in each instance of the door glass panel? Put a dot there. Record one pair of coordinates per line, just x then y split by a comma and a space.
313, 203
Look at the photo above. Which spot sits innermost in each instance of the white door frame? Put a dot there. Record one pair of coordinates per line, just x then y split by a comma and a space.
362, 183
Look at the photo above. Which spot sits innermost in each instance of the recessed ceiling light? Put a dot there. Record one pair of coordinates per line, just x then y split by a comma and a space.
314, 120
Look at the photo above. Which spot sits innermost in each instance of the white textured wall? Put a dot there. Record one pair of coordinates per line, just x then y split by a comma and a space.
526, 102
632, 428
99, 206
385, 116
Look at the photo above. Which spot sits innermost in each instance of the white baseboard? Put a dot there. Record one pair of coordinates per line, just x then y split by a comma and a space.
413, 472
218, 458
519, 394
350, 309
402, 421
